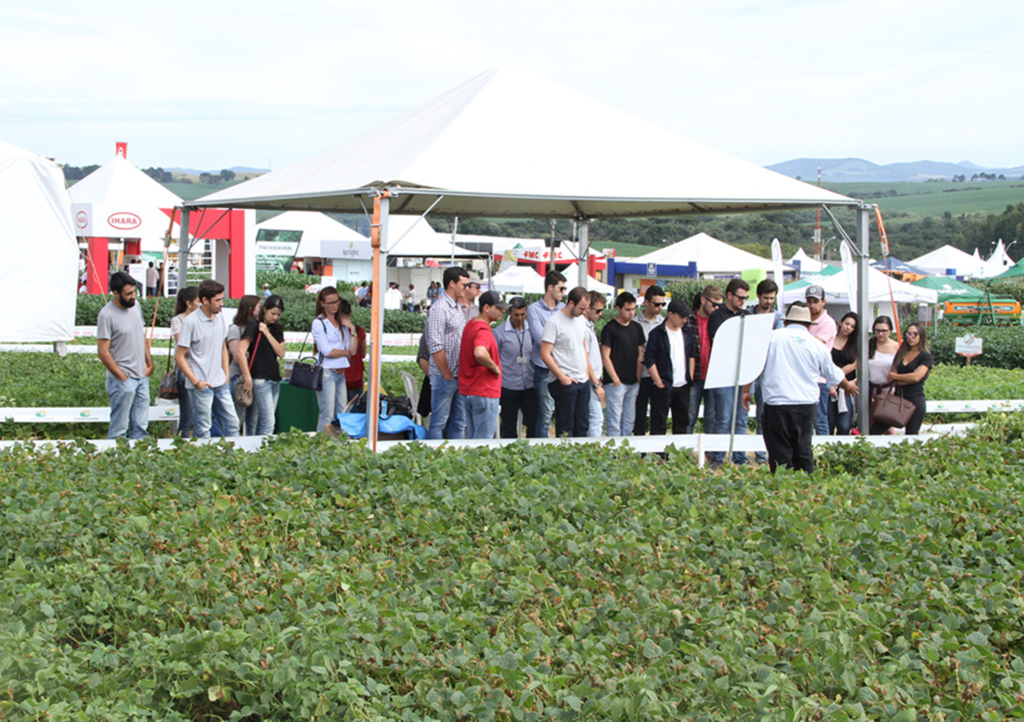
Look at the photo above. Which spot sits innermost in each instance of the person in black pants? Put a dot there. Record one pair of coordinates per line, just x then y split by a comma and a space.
909, 370
670, 356
654, 303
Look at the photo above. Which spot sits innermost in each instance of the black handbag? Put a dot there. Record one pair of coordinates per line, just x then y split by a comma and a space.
889, 408
308, 375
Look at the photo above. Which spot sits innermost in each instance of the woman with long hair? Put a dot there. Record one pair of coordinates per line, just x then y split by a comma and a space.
335, 339
845, 352
882, 349
248, 307
910, 368
187, 302
259, 349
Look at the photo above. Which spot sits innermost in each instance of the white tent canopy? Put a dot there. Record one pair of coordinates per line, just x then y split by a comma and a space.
117, 200
999, 261
712, 256
484, 147
518, 279
593, 284
315, 227
808, 265
837, 289
947, 258
410, 237
37, 234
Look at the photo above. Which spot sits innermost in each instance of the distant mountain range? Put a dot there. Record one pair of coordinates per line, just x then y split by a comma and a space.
235, 168
854, 170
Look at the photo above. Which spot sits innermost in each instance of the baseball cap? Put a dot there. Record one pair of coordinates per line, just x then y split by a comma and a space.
492, 298
815, 292
679, 307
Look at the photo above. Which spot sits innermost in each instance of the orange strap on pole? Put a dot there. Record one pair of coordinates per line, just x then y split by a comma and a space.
885, 254
376, 301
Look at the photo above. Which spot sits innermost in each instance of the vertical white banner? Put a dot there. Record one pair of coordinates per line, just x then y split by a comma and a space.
777, 265
850, 268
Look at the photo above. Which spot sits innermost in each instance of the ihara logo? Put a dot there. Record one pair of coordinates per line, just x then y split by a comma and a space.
85, 414
82, 219
170, 412
124, 221
40, 414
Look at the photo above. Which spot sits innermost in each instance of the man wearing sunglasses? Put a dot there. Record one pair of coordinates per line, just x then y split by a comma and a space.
707, 301
651, 318
537, 315
736, 295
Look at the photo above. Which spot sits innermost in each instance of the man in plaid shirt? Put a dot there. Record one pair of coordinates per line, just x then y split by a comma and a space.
444, 341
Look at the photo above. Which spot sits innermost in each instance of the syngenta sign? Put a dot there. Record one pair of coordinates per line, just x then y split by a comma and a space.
124, 221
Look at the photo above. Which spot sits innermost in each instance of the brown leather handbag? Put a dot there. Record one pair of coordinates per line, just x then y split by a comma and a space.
889, 408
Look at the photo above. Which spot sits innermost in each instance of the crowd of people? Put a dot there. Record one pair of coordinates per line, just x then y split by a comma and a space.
545, 363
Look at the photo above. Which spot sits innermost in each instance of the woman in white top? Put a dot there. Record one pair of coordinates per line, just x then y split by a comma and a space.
334, 336
882, 349
187, 302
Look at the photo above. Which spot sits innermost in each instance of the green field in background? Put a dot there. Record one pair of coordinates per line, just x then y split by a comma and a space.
933, 199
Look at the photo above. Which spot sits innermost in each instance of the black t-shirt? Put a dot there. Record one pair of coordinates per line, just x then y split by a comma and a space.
843, 357
264, 366
625, 343
719, 316
922, 359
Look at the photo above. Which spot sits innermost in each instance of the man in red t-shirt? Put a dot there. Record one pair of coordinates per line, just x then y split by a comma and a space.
705, 304
480, 369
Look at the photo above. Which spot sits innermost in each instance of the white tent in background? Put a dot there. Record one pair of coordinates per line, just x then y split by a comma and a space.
572, 272
410, 237
38, 249
837, 290
518, 279
315, 227
950, 261
117, 200
999, 261
712, 256
808, 266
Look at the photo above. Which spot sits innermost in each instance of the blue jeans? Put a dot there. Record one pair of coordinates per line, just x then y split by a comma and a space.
724, 401
259, 418
840, 422
545, 404
214, 400
481, 416
129, 407
621, 408
332, 398
185, 415
821, 413
446, 404
698, 394
596, 428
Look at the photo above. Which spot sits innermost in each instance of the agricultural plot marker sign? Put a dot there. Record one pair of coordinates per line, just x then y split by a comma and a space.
969, 345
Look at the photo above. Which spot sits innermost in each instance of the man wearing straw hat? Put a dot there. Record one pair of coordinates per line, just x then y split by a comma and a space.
789, 385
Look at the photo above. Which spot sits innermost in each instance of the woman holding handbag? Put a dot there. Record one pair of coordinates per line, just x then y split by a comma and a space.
260, 371
909, 370
248, 308
335, 339
845, 353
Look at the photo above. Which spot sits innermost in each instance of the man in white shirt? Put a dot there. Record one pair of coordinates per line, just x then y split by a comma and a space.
670, 357
592, 314
563, 350
789, 383
654, 303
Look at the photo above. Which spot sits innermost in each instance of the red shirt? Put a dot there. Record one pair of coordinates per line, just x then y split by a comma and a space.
474, 379
705, 346
354, 372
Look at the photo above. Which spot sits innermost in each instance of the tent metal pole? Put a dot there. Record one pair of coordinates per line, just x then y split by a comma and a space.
551, 256
183, 249
455, 231
584, 250
378, 240
863, 313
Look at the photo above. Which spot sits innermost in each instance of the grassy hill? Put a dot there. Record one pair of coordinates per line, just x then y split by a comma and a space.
919, 200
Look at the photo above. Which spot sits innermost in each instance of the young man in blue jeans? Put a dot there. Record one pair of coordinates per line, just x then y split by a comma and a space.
121, 346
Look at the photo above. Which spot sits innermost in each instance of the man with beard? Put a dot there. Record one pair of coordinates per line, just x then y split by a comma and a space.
121, 342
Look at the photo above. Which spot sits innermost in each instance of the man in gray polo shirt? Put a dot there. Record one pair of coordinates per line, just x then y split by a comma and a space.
203, 358
121, 344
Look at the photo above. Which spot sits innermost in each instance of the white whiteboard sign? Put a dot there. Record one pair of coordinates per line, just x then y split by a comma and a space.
725, 352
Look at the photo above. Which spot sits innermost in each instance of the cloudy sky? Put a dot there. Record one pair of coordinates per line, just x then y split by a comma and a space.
215, 84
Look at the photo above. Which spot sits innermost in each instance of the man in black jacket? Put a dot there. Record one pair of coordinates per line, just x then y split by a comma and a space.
671, 357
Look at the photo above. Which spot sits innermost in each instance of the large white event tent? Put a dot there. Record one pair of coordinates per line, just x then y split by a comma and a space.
950, 261
482, 149
518, 279
38, 250
117, 200
837, 289
414, 238
712, 256
808, 266
315, 228
592, 284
